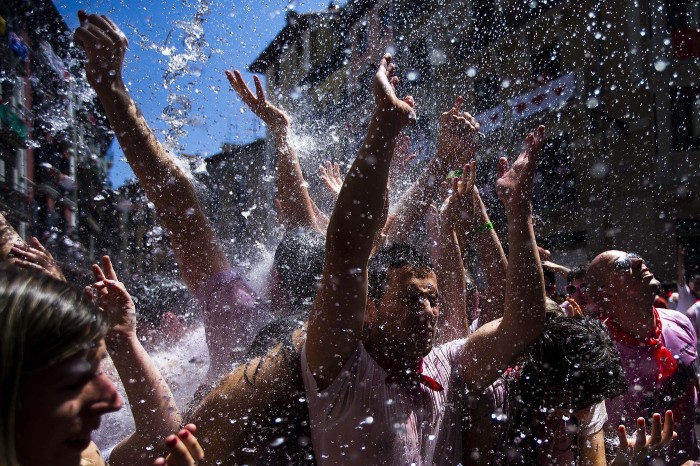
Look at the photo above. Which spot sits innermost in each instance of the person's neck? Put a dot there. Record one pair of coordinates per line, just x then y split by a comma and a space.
390, 357
633, 315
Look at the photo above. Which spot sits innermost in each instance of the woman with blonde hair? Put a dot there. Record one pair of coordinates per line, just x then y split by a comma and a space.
52, 390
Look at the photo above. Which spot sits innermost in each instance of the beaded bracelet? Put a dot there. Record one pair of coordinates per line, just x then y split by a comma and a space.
483, 228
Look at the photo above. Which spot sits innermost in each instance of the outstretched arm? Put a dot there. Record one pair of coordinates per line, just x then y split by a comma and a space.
153, 405
292, 189
450, 267
493, 262
456, 145
337, 316
497, 344
196, 248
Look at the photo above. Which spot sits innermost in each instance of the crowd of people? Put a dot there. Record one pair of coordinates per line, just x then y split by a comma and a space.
343, 361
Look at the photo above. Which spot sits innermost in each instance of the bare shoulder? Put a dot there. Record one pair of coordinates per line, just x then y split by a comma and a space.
91, 456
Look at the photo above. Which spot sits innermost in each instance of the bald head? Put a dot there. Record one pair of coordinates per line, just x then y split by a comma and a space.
615, 277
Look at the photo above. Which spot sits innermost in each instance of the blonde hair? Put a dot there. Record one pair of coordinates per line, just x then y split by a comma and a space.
42, 322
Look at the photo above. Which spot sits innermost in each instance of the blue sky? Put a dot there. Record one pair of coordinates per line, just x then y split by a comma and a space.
236, 33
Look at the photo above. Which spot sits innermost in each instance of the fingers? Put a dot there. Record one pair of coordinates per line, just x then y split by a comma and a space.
243, 89
668, 431
97, 273
39, 246
655, 438
336, 170
458, 104
190, 441
502, 166
259, 89
640, 439
622, 437
184, 448
109, 270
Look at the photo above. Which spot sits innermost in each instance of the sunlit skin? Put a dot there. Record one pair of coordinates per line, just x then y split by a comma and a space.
402, 324
61, 406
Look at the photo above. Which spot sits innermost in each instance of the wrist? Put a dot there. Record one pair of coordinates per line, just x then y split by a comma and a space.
117, 339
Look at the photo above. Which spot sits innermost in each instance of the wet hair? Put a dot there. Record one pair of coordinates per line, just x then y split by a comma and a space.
577, 273
393, 257
299, 265
573, 365
42, 322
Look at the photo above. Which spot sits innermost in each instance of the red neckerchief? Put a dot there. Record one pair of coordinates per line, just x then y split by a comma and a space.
416, 376
665, 361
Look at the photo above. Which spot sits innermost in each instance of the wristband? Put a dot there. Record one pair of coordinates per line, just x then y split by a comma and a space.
483, 228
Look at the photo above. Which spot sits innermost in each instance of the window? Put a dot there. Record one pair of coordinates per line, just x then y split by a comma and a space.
685, 118
485, 94
684, 25
361, 38
545, 63
554, 181
385, 18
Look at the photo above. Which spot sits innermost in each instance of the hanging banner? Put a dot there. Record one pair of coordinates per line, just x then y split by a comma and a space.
491, 119
551, 95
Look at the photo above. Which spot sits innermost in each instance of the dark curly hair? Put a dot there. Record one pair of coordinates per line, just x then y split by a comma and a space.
299, 264
393, 257
573, 365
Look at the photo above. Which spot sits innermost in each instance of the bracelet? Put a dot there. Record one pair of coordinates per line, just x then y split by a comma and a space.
483, 228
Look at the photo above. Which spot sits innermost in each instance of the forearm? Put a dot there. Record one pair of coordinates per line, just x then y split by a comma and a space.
494, 265
680, 271
357, 216
452, 285
525, 298
291, 186
415, 201
166, 185
153, 406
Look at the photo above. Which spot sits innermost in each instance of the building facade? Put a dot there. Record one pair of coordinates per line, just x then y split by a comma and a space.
53, 136
617, 84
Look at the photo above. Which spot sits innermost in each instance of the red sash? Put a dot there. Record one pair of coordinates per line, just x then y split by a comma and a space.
665, 361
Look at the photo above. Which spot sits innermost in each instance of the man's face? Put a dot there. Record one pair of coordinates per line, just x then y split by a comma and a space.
578, 290
408, 311
626, 275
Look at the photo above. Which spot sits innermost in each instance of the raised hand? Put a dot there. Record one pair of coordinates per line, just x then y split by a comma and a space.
184, 449
104, 45
459, 207
457, 135
637, 451
112, 298
36, 257
330, 174
274, 117
515, 184
393, 112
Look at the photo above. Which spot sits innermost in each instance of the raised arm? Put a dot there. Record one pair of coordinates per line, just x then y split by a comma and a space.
292, 190
166, 184
196, 248
152, 403
450, 267
497, 344
680, 269
456, 145
337, 316
493, 262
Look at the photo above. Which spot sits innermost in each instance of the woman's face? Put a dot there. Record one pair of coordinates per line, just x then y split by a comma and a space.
60, 406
